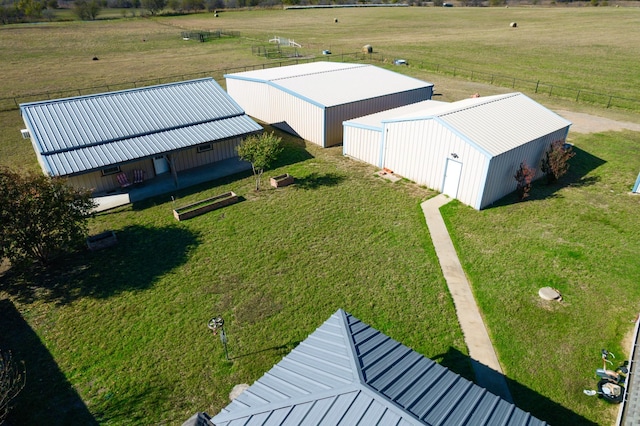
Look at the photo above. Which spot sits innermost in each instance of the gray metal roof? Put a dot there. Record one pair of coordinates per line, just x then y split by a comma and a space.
502, 122
348, 373
496, 124
75, 135
329, 84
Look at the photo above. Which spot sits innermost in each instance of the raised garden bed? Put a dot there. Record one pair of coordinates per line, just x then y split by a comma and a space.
281, 180
204, 206
102, 240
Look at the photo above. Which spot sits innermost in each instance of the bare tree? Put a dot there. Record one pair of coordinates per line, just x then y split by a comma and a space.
12, 380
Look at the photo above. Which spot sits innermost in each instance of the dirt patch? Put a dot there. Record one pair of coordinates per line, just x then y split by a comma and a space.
587, 123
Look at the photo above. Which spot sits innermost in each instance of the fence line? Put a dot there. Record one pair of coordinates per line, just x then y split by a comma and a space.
527, 86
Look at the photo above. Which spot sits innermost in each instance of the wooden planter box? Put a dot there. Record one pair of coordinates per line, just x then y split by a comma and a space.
204, 206
281, 180
102, 240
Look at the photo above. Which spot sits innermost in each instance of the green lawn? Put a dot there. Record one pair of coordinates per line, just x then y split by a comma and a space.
119, 336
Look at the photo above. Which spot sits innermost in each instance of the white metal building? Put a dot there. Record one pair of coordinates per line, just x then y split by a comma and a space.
312, 100
468, 149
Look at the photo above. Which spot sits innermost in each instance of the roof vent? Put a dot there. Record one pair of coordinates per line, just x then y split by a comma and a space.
25, 134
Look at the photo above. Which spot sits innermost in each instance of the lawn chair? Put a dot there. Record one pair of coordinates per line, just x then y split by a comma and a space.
138, 176
123, 180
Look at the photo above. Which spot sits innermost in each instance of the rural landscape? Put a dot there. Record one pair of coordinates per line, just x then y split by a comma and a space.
119, 336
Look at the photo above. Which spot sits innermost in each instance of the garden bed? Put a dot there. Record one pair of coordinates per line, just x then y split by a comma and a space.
204, 206
102, 240
281, 180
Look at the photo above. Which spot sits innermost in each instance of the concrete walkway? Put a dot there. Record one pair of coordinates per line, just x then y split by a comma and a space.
483, 358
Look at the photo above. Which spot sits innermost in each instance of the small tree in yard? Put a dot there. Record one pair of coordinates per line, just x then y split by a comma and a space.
556, 161
260, 150
524, 175
12, 380
40, 217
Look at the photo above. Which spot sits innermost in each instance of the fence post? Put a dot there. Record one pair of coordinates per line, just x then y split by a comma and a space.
491, 79
609, 103
550, 88
578, 95
537, 84
513, 84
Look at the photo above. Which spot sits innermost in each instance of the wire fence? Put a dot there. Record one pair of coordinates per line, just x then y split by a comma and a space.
521, 85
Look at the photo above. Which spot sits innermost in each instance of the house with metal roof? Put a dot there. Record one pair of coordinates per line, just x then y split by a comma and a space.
347, 372
312, 100
97, 139
469, 150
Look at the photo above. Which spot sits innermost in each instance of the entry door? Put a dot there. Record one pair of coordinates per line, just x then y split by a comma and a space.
452, 178
160, 164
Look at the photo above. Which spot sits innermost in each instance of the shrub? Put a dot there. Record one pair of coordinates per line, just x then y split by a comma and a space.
524, 175
556, 160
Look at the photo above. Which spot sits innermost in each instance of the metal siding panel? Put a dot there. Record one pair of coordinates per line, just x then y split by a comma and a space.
362, 144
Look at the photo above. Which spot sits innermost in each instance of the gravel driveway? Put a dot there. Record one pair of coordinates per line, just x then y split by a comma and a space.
586, 123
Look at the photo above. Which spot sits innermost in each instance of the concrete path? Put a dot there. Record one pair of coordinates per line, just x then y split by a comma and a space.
483, 358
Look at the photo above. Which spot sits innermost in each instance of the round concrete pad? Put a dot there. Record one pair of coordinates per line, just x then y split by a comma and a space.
548, 293
237, 390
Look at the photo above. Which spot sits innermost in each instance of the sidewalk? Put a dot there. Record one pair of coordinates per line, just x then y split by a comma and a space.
483, 358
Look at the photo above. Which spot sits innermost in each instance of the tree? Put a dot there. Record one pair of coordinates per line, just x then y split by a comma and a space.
524, 175
12, 380
87, 10
40, 217
555, 163
154, 6
260, 150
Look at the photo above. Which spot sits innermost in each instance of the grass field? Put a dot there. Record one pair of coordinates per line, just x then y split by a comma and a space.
119, 337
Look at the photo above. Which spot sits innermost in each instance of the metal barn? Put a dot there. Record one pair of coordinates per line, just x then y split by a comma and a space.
312, 100
468, 149
95, 140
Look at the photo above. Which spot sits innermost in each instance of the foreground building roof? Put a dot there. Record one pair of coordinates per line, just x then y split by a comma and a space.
85, 133
347, 372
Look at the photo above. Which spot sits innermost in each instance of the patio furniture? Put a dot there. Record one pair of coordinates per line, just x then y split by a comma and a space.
123, 180
138, 176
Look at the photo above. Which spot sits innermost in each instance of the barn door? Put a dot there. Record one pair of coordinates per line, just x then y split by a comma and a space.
452, 178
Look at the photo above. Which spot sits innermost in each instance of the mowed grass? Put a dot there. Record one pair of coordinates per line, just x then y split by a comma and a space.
126, 328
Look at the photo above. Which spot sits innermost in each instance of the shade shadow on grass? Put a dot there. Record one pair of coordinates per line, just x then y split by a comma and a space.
526, 399
140, 256
47, 397
316, 180
579, 166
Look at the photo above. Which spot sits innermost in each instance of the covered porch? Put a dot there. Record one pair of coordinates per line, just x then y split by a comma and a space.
165, 183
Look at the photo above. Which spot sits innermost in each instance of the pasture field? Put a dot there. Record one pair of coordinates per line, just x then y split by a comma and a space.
119, 336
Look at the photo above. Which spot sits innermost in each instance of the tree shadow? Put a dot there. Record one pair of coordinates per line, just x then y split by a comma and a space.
524, 398
47, 395
280, 350
315, 180
140, 256
579, 166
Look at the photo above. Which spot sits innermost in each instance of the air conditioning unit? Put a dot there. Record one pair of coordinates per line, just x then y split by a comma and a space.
25, 134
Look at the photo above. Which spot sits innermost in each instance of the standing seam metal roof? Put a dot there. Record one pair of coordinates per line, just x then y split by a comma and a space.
347, 372
79, 134
328, 84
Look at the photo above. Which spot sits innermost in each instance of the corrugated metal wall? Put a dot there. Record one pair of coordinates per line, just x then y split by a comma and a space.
99, 183
363, 144
334, 116
418, 150
191, 158
321, 126
500, 180
182, 160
